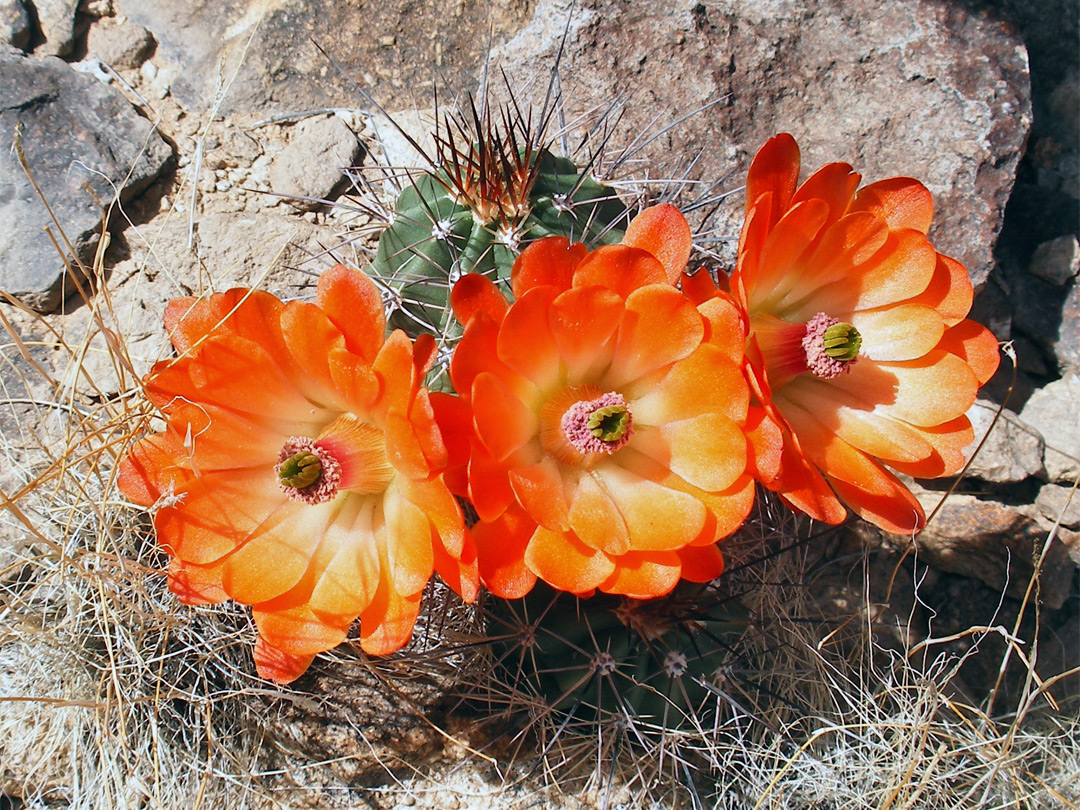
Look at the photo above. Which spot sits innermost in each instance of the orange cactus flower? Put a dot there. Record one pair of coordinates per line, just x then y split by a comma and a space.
300, 470
859, 347
601, 428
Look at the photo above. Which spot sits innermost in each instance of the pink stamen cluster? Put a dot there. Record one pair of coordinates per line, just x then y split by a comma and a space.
819, 363
575, 424
326, 486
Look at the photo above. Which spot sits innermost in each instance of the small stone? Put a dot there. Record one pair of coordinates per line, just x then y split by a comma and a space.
388, 41
1012, 451
149, 71
1053, 411
222, 185
1055, 502
15, 25
57, 21
1057, 261
120, 45
313, 164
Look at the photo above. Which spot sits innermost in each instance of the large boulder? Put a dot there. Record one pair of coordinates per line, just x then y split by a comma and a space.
86, 149
932, 90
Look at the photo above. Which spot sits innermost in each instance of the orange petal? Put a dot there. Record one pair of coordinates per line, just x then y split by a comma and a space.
217, 511
563, 561
274, 665
295, 629
427, 432
311, 337
867, 487
501, 420
949, 292
644, 574
460, 572
489, 482
387, 624
454, 418
274, 557
196, 584
774, 169
352, 303
699, 287
705, 382
549, 261
395, 370
410, 559
539, 489
658, 518
901, 269
188, 321
701, 563
346, 568
784, 253
949, 441
434, 499
835, 184
500, 550
150, 469
766, 444
525, 341
802, 486
355, 381
708, 451
899, 332
900, 201
619, 268
933, 389
215, 438
725, 327
659, 328
582, 321
873, 433
403, 448
663, 231
474, 294
595, 518
976, 346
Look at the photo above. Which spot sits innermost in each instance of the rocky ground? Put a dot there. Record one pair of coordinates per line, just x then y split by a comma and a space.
183, 148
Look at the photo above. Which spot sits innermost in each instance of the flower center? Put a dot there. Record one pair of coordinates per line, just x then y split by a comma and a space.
600, 425
831, 346
307, 472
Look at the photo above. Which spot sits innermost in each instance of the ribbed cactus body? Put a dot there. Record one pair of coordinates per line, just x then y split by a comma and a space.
436, 236
605, 657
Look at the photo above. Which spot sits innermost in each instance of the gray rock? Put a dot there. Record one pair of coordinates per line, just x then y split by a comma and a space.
995, 544
313, 164
119, 45
1057, 261
1012, 451
85, 147
926, 89
57, 21
1055, 502
15, 24
280, 70
1050, 316
1054, 411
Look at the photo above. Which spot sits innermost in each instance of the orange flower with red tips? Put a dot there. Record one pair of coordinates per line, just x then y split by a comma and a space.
859, 347
601, 429
300, 470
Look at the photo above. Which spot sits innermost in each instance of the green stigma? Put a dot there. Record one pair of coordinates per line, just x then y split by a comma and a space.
300, 470
610, 423
842, 341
